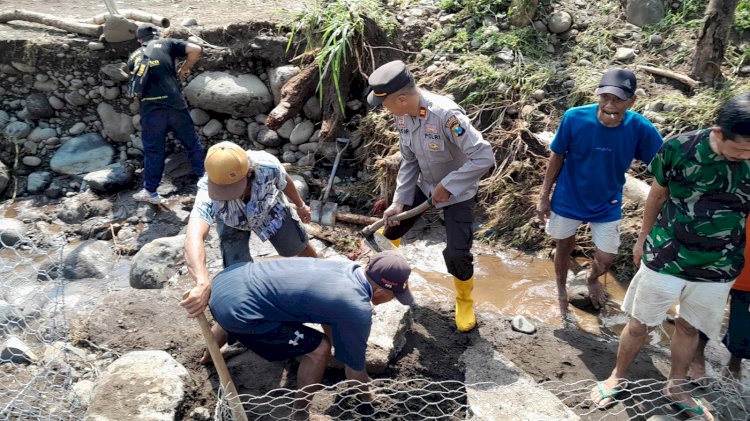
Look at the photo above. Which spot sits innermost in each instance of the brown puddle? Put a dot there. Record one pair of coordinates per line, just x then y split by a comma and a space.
520, 284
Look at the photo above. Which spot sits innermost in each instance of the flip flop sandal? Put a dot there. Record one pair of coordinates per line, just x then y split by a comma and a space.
698, 409
612, 394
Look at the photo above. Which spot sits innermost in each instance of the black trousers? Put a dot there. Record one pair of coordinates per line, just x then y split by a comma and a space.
459, 218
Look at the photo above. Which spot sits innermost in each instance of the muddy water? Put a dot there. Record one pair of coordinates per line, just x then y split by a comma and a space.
512, 284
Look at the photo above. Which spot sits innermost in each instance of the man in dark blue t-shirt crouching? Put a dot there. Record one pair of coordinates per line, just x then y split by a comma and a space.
163, 107
591, 152
264, 305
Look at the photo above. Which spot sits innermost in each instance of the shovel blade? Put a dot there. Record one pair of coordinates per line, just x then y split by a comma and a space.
328, 214
315, 209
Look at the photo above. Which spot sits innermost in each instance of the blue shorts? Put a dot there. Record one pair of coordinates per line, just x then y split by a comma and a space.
737, 339
283, 341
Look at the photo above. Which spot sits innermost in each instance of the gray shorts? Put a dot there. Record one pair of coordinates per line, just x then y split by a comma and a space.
291, 238
288, 241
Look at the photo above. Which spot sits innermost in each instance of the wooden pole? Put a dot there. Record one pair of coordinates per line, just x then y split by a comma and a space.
54, 21
221, 367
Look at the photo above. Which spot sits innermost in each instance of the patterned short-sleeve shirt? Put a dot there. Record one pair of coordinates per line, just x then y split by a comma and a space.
699, 234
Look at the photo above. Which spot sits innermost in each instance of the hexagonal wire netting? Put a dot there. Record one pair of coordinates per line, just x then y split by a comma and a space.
38, 371
37, 375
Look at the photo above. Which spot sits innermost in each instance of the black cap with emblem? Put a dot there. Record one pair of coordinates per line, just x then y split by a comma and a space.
386, 80
146, 31
618, 82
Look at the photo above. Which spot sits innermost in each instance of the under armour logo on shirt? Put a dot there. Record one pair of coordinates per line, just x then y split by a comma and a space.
298, 336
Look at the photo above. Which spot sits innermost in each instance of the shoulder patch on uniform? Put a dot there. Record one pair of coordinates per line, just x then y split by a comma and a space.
457, 130
452, 121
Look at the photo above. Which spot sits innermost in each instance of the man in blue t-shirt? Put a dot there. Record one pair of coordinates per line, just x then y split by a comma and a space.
593, 148
163, 108
264, 305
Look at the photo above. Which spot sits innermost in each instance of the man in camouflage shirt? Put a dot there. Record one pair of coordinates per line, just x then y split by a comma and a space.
691, 245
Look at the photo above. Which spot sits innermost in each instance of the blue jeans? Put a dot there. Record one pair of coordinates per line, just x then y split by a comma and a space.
156, 123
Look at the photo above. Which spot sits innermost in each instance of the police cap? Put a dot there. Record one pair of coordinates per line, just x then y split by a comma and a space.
386, 80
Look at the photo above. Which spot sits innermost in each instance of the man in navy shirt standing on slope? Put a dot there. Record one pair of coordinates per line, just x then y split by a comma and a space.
591, 152
162, 106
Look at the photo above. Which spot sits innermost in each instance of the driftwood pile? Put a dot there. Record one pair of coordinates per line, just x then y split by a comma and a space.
112, 26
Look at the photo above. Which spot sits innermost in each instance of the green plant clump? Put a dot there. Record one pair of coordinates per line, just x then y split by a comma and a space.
688, 17
335, 30
742, 15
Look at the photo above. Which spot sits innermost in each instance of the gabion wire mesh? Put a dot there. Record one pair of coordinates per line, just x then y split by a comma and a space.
39, 369
420, 399
37, 375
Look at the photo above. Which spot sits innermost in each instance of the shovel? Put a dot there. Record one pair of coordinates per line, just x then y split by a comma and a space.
322, 211
233, 398
369, 231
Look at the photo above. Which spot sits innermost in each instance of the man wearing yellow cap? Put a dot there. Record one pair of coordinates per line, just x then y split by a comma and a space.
241, 192
443, 156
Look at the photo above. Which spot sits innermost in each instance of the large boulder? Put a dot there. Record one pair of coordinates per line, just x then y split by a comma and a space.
39, 134
302, 132
117, 126
238, 95
90, 259
38, 181
559, 22
140, 385
278, 76
11, 231
113, 179
82, 154
117, 72
645, 12
156, 262
118, 29
38, 106
17, 130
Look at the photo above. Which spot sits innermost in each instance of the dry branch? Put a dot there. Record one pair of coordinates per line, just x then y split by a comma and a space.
50, 20
137, 15
670, 74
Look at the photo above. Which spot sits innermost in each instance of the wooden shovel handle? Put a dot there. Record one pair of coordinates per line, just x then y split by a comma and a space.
368, 230
221, 367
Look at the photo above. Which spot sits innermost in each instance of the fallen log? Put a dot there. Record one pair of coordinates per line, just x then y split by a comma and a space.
670, 74
295, 92
137, 15
50, 20
354, 218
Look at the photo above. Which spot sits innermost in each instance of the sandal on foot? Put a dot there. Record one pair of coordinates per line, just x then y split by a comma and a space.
603, 395
699, 409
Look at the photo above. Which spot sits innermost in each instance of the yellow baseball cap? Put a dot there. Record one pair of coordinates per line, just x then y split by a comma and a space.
227, 167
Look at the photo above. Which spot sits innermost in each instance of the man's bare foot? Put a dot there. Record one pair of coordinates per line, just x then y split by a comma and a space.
227, 351
605, 392
685, 403
697, 373
597, 294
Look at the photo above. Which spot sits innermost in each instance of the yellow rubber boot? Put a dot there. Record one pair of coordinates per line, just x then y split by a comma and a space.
396, 242
465, 318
